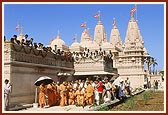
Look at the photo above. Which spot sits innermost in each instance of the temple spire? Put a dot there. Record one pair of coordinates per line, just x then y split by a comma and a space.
115, 38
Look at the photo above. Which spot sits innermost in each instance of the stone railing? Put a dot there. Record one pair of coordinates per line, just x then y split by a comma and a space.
96, 56
19, 53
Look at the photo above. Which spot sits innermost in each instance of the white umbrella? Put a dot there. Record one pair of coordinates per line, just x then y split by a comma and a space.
44, 79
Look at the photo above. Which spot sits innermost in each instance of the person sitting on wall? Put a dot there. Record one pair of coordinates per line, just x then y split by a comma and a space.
14, 39
35, 45
26, 36
58, 52
29, 42
22, 42
40, 46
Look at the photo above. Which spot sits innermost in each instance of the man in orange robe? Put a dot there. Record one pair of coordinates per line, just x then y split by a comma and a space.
62, 89
71, 100
89, 94
80, 97
42, 99
50, 94
54, 88
58, 98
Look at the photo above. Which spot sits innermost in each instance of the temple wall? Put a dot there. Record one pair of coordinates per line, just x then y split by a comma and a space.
23, 66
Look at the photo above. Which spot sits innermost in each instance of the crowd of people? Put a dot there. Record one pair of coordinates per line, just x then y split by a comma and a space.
24, 41
157, 84
39, 46
82, 92
29, 42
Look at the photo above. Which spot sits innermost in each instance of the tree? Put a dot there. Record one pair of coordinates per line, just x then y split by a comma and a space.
153, 63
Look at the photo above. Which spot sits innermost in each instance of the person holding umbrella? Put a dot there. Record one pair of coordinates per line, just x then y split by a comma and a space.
41, 82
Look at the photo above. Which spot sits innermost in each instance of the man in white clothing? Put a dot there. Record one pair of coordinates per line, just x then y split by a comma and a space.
7, 90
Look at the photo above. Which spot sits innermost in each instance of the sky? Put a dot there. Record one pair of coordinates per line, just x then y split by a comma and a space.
43, 21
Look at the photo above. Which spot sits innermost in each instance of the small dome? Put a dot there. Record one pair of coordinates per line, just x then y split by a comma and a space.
75, 44
57, 41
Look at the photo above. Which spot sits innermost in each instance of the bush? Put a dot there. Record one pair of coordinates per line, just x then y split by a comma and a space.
146, 96
105, 108
130, 103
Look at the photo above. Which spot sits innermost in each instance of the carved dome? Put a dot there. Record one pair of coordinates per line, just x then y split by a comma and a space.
75, 44
57, 41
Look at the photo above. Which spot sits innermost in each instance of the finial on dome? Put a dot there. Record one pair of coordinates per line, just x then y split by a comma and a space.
58, 34
75, 38
83, 25
132, 13
114, 23
99, 15
132, 16
21, 31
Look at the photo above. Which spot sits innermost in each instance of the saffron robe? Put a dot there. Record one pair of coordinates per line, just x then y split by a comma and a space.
80, 97
63, 94
42, 99
50, 94
89, 94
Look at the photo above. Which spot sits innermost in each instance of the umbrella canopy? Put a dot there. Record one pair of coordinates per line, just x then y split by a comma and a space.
44, 79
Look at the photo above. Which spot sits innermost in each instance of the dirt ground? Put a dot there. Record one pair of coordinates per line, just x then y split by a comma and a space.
146, 101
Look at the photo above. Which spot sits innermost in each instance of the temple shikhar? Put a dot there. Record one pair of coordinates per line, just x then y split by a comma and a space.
88, 58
